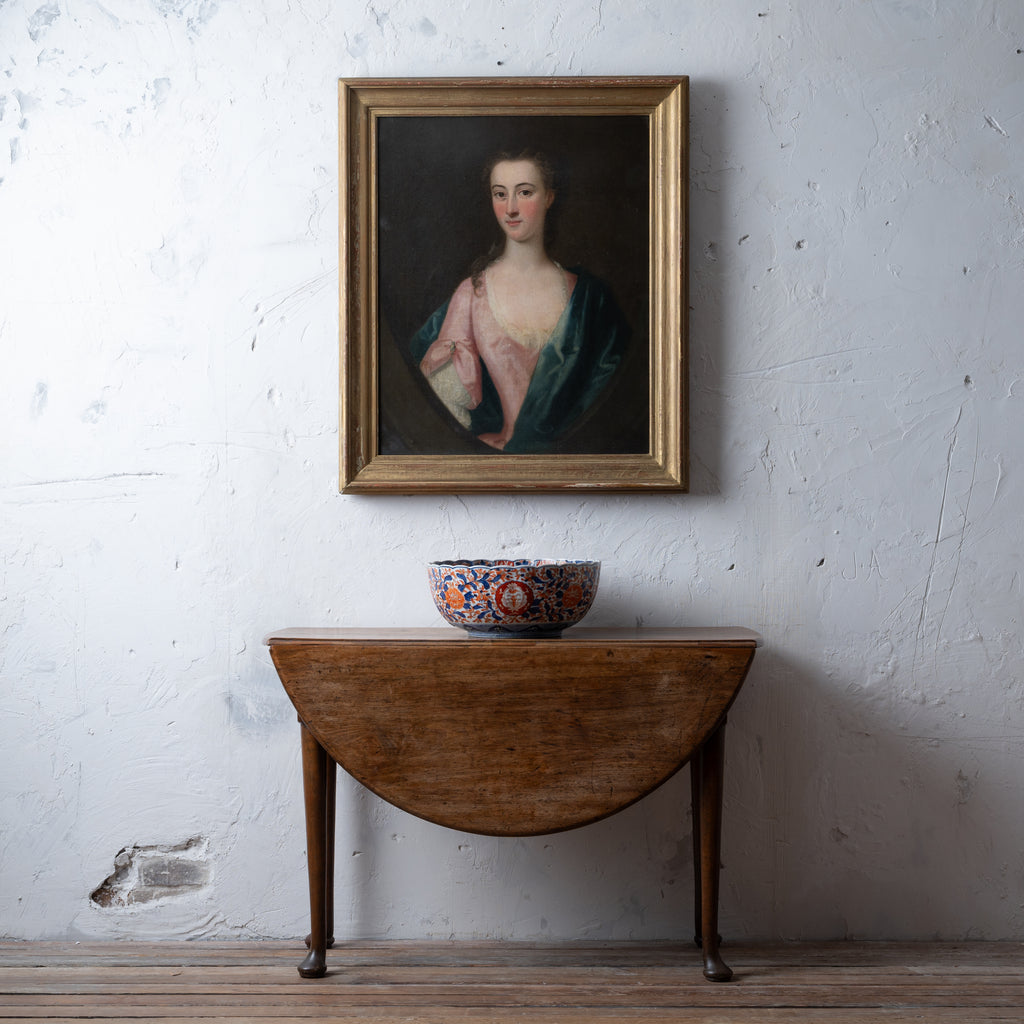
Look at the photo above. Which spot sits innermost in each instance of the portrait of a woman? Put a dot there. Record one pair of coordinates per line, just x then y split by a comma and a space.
524, 347
513, 276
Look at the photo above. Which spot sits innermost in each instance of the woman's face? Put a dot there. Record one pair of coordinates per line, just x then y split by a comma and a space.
520, 199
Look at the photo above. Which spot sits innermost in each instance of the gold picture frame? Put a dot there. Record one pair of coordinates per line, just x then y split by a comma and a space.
414, 204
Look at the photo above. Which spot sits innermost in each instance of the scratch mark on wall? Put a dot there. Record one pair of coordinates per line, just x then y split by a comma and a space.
965, 522
996, 126
292, 302
768, 462
765, 370
938, 529
943, 501
88, 479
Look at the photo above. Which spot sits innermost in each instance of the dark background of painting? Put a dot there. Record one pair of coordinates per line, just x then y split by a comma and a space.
435, 218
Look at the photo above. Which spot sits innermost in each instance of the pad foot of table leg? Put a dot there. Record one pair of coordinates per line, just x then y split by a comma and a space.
715, 968
315, 964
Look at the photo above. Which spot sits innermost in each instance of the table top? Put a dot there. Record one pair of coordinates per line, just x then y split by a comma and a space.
724, 636
512, 736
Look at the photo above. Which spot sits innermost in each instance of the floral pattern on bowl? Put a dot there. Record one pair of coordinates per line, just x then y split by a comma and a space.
515, 596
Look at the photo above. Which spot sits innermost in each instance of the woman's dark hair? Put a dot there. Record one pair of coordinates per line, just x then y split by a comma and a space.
535, 157
547, 178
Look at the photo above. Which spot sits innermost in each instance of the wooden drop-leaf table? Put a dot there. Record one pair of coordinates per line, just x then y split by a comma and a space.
512, 737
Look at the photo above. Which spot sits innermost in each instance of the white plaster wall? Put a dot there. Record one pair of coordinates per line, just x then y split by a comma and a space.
168, 283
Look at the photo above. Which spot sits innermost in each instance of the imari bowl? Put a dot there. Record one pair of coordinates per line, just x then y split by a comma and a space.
514, 597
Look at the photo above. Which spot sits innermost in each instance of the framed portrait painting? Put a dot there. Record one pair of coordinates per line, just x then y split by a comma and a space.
513, 284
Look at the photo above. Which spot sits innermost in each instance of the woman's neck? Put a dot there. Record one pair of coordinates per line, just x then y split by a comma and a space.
524, 256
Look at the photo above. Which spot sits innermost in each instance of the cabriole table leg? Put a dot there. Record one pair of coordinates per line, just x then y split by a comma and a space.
708, 818
696, 782
332, 809
315, 772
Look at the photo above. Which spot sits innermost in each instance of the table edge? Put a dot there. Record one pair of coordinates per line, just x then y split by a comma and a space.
686, 636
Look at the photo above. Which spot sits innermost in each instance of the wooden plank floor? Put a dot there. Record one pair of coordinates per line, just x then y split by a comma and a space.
474, 983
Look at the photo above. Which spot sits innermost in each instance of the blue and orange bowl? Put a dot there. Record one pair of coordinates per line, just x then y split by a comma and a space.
526, 597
